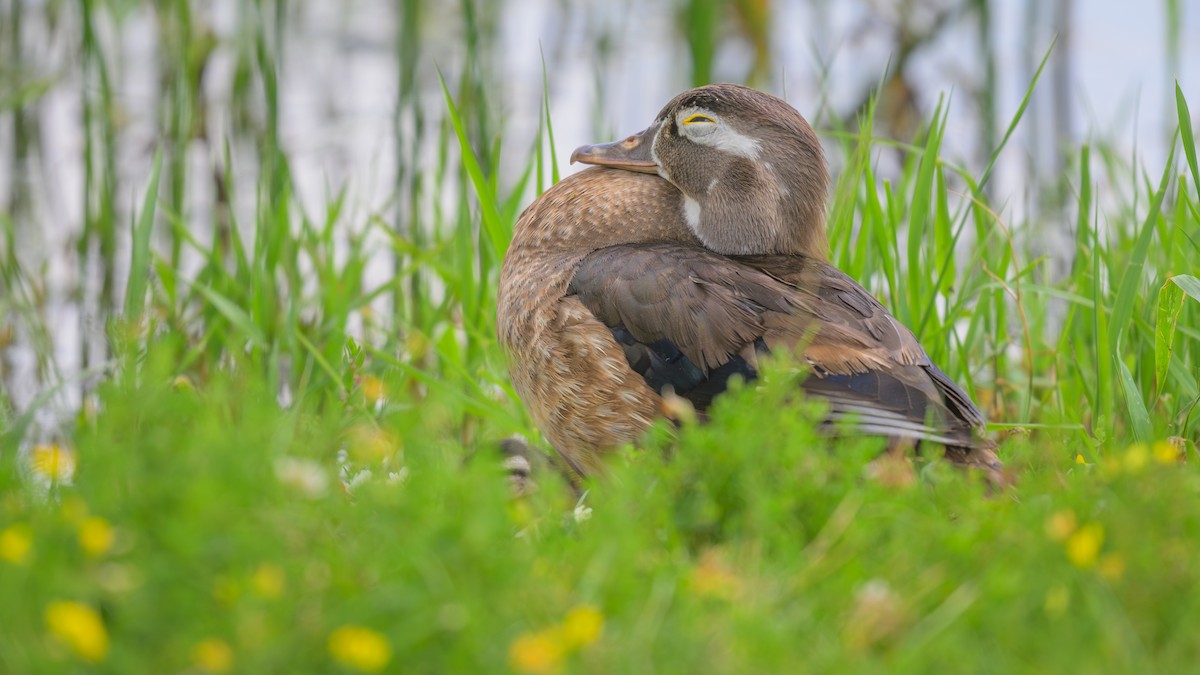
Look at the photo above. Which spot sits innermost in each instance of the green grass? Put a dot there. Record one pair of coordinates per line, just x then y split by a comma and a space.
205, 524
744, 551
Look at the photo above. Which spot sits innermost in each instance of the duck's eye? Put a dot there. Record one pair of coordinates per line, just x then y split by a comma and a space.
697, 118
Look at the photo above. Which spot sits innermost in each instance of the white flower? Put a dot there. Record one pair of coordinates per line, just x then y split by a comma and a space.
582, 511
357, 479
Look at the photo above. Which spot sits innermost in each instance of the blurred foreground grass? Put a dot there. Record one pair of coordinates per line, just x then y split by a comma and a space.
205, 529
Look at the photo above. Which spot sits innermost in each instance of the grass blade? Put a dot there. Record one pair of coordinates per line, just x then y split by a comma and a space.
139, 263
1012, 125
1170, 302
554, 176
1100, 332
1189, 284
1139, 417
1132, 276
321, 361
919, 216
234, 313
496, 235
1185, 133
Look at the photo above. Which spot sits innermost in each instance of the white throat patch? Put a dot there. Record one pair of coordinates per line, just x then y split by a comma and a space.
691, 213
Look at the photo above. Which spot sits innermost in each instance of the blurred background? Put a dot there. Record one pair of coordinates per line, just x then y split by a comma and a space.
338, 104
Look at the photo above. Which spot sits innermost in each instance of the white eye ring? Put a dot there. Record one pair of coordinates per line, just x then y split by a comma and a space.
697, 123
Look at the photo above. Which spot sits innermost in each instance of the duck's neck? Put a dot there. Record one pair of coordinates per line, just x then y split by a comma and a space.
750, 211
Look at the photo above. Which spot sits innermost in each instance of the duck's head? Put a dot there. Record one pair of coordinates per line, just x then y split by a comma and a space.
749, 166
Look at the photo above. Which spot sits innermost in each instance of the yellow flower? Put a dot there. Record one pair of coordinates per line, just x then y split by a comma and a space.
1061, 525
1083, 547
15, 543
581, 627
79, 627
1136, 457
52, 462
268, 581
372, 388
360, 648
544, 651
1165, 452
1112, 566
369, 443
95, 536
1079, 459
537, 653
213, 656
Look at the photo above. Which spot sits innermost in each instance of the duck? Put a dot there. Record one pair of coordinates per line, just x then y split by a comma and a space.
677, 261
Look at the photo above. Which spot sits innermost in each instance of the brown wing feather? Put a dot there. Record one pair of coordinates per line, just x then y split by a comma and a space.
857, 311
708, 310
715, 310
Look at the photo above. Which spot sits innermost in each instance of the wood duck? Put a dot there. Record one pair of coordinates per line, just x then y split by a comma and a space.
693, 248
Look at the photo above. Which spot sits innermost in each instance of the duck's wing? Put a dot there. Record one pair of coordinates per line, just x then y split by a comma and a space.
866, 335
691, 319
686, 318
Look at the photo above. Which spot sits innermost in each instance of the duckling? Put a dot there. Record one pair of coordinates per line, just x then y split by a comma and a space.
689, 251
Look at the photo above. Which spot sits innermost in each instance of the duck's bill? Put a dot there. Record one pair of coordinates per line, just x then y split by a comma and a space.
631, 154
